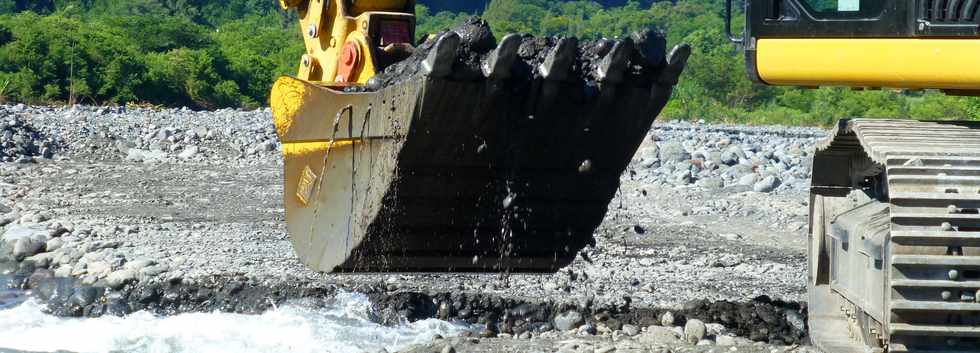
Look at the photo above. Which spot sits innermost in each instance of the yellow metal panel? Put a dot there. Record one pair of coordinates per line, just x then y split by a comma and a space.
362, 6
894, 63
303, 148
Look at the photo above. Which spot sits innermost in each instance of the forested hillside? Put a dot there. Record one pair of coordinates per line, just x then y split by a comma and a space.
213, 54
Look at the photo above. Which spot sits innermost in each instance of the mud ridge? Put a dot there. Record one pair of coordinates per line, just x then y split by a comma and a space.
762, 319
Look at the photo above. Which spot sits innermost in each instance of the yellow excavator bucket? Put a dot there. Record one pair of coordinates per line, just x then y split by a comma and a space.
465, 154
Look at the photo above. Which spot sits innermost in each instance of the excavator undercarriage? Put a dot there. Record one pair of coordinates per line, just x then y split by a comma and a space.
895, 247
894, 229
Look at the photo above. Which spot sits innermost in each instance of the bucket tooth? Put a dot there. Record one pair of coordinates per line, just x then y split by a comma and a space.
558, 63
613, 65
498, 64
651, 47
676, 61
439, 63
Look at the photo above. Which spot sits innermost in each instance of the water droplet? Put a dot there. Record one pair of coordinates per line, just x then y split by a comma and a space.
509, 200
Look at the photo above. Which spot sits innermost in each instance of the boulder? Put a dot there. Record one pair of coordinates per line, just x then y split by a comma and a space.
674, 152
568, 320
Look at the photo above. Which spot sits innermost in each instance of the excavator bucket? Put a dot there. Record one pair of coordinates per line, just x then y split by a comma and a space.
457, 159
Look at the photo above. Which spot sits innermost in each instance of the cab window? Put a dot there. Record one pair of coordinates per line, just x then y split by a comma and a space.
843, 9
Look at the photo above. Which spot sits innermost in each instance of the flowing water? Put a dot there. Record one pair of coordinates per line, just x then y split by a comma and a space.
343, 326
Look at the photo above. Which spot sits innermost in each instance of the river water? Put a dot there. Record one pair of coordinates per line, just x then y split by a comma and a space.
343, 326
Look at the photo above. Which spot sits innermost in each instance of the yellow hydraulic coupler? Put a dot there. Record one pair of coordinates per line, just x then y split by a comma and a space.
345, 39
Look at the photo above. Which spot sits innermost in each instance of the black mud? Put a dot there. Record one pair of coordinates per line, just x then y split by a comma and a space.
760, 320
478, 40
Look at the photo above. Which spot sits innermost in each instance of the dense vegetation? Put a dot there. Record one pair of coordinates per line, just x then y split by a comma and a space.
211, 54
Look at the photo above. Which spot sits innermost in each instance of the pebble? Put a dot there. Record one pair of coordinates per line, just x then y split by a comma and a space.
631, 330
748, 179
795, 319
694, 331
16, 232
118, 279
766, 185
587, 329
137, 265
715, 329
725, 340
667, 319
188, 152
674, 152
568, 320
27, 246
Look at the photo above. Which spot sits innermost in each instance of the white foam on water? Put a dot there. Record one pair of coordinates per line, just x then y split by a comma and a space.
342, 327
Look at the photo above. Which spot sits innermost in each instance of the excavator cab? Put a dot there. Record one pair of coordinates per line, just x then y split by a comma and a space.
894, 250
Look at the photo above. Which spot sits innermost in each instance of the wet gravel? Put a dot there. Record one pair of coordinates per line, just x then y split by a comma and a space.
205, 231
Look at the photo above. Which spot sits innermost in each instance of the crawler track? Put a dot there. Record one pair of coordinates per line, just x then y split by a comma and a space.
928, 176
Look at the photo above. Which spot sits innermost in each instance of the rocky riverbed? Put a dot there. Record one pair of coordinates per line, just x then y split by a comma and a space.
114, 210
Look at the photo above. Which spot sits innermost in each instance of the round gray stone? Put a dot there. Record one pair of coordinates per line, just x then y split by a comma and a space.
568, 320
694, 331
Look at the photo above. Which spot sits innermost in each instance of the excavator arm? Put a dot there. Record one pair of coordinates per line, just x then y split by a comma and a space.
350, 41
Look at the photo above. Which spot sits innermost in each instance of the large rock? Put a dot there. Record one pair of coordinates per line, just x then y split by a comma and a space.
29, 246
658, 335
796, 320
748, 179
54, 244
118, 279
188, 152
725, 341
568, 320
732, 155
99, 268
711, 183
649, 156
694, 331
24, 231
631, 330
25, 241
667, 319
138, 155
42, 260
768, 184
674, 152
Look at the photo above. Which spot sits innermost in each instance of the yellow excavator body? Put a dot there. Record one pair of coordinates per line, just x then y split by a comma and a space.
911, 63
894, 252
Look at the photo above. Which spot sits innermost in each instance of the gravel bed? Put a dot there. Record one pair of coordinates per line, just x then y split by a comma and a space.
122, 206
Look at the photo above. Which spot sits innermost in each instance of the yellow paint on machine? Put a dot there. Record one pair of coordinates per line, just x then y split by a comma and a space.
302, 148
894, 63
